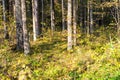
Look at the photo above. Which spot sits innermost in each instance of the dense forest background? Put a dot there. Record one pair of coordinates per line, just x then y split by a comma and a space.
59, 39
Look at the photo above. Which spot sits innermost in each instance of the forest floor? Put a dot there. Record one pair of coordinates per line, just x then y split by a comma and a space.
94, 58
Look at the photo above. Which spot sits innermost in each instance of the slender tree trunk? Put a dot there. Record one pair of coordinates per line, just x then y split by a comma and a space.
5, 18
14, 10
69, 24
88, 17
118, 17
19, 29
11, 10
63, 16
91, 18
25, 32
29, 9
74, 22
102, 22
52, 17
84, 16
83, 19
36, 27
42, 13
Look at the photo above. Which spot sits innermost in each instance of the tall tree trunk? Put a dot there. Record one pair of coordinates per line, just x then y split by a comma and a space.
19, 29
5, 18
88, 17
84, 19
29, 9
118, 17
25, 32
74, 22
91, 18
42, 1
36, 24
63, 16
102, 22
69, 25
52, 17
11, 10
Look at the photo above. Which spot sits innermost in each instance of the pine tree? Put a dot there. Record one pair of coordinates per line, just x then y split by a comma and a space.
36, 23
25, 32
69, 25
19, 29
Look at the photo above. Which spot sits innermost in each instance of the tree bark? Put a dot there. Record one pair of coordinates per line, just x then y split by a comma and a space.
69, 25
84, 14
102, 21
74, 22
36, 24
63, 16
25, 32
91, 18
52, 17
88, 18
42, 1
19, 29
5, 18
118, 17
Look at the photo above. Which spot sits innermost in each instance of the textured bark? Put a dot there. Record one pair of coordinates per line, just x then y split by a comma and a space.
91, 18
118, 17
19, 29
11, 6
5, 17
36, 24
29, 9
74, 22
88, 17
83, 19
84, 14
63, 16
52, 17
69, 25
42, 1
102, 21
25, 32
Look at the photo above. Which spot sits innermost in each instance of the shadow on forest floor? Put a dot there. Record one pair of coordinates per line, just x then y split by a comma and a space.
48, 47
